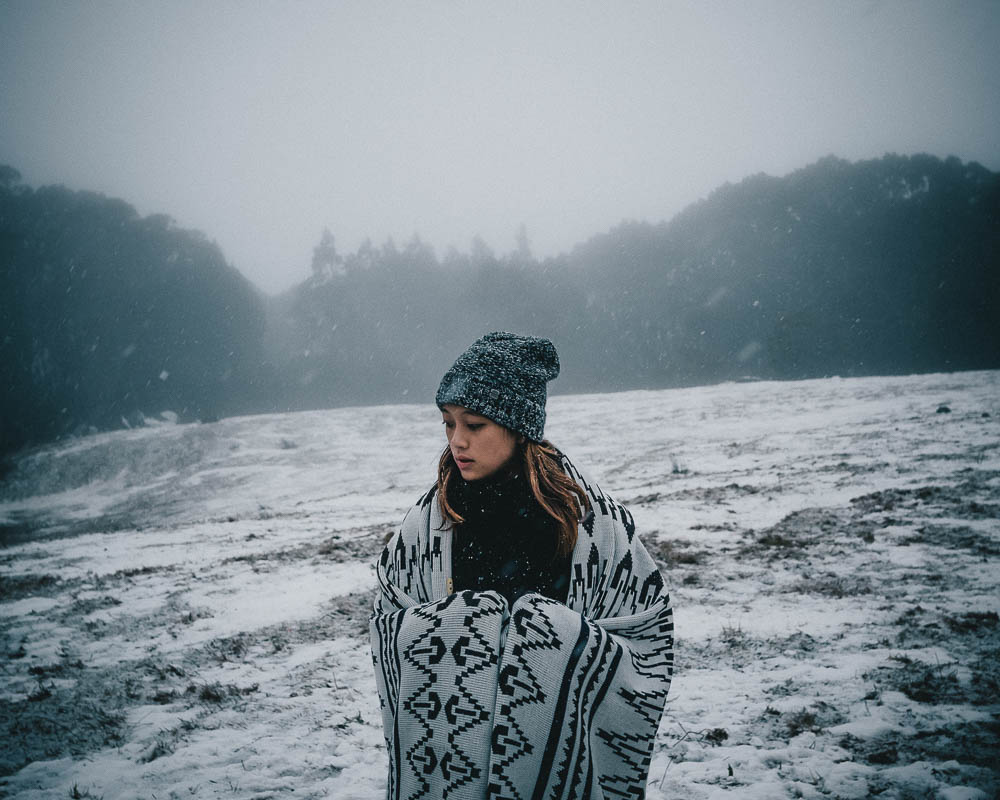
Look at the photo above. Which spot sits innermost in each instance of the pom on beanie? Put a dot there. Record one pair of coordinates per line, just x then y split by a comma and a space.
502, 376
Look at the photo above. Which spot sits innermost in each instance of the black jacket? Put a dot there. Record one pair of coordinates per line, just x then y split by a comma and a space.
507, 542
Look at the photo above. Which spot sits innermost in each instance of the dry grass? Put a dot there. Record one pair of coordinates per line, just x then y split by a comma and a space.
675, 552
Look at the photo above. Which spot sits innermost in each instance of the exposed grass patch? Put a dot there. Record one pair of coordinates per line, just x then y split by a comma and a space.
230, 648
80, 717
53, 722
643, 499
786, 688
173, 613
711, 494
165, 742
891, 499
362, 543
954, 537
163, 745
773, 539
735, 638
864, 468
984, 686
218, 693
830, 585
13, 654
794, 534
190, 616
16, 587
344, 615
76, 793
724, 526
815, 718
163, 696
83, 607
785, 725
973, 622
917, 626
972, 742
951, 501
920, 681
41, 692
799, 641
135, 572
864, 532
975, 643
114, 580
347, 615
716, 736
673, 552
797, 722
879, 750
60, 670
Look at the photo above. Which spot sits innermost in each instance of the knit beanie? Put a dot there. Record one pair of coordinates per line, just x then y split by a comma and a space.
502, 376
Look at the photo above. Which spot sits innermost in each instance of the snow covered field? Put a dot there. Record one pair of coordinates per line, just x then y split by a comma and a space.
183, 609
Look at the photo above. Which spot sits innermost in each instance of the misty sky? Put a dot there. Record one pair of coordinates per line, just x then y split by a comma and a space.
262, 122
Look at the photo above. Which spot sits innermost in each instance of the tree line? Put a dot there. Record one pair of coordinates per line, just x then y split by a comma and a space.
877, 267
881, 266
108, 317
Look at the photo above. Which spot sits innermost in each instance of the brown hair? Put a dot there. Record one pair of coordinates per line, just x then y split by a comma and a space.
558, 494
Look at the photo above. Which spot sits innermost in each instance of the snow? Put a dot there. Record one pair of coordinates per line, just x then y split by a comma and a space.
191, 600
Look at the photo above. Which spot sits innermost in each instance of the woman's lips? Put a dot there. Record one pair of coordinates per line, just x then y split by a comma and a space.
462, 462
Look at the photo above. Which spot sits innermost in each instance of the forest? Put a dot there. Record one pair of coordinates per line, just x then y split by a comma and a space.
109, 319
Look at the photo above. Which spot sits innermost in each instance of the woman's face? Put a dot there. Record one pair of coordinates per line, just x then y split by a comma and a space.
479, 446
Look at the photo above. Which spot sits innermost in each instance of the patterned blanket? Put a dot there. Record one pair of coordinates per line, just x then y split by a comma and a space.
539, 700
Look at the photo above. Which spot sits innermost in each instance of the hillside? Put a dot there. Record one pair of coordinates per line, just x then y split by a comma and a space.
183, 609
108, 317
877, 267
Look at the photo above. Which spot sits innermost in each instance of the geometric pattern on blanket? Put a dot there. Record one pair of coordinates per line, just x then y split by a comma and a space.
539, 700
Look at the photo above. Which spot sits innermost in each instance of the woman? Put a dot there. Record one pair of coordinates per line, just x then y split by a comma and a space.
522, 635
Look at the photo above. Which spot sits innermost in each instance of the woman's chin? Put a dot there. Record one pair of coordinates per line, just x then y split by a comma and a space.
472, 472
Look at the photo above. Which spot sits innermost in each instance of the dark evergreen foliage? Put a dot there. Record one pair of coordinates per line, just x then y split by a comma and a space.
877, 267
108, 316
882, 266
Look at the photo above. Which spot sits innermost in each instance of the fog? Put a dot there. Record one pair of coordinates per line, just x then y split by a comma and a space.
777, 221
261, 124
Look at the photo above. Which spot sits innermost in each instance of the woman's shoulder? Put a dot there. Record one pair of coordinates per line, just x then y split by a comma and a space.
581, 476
604, 507
427, 497
417, 516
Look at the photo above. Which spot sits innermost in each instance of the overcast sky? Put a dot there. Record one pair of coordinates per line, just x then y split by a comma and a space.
262, 122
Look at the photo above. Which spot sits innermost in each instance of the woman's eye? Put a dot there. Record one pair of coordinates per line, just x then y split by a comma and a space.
447, 424
475, 426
